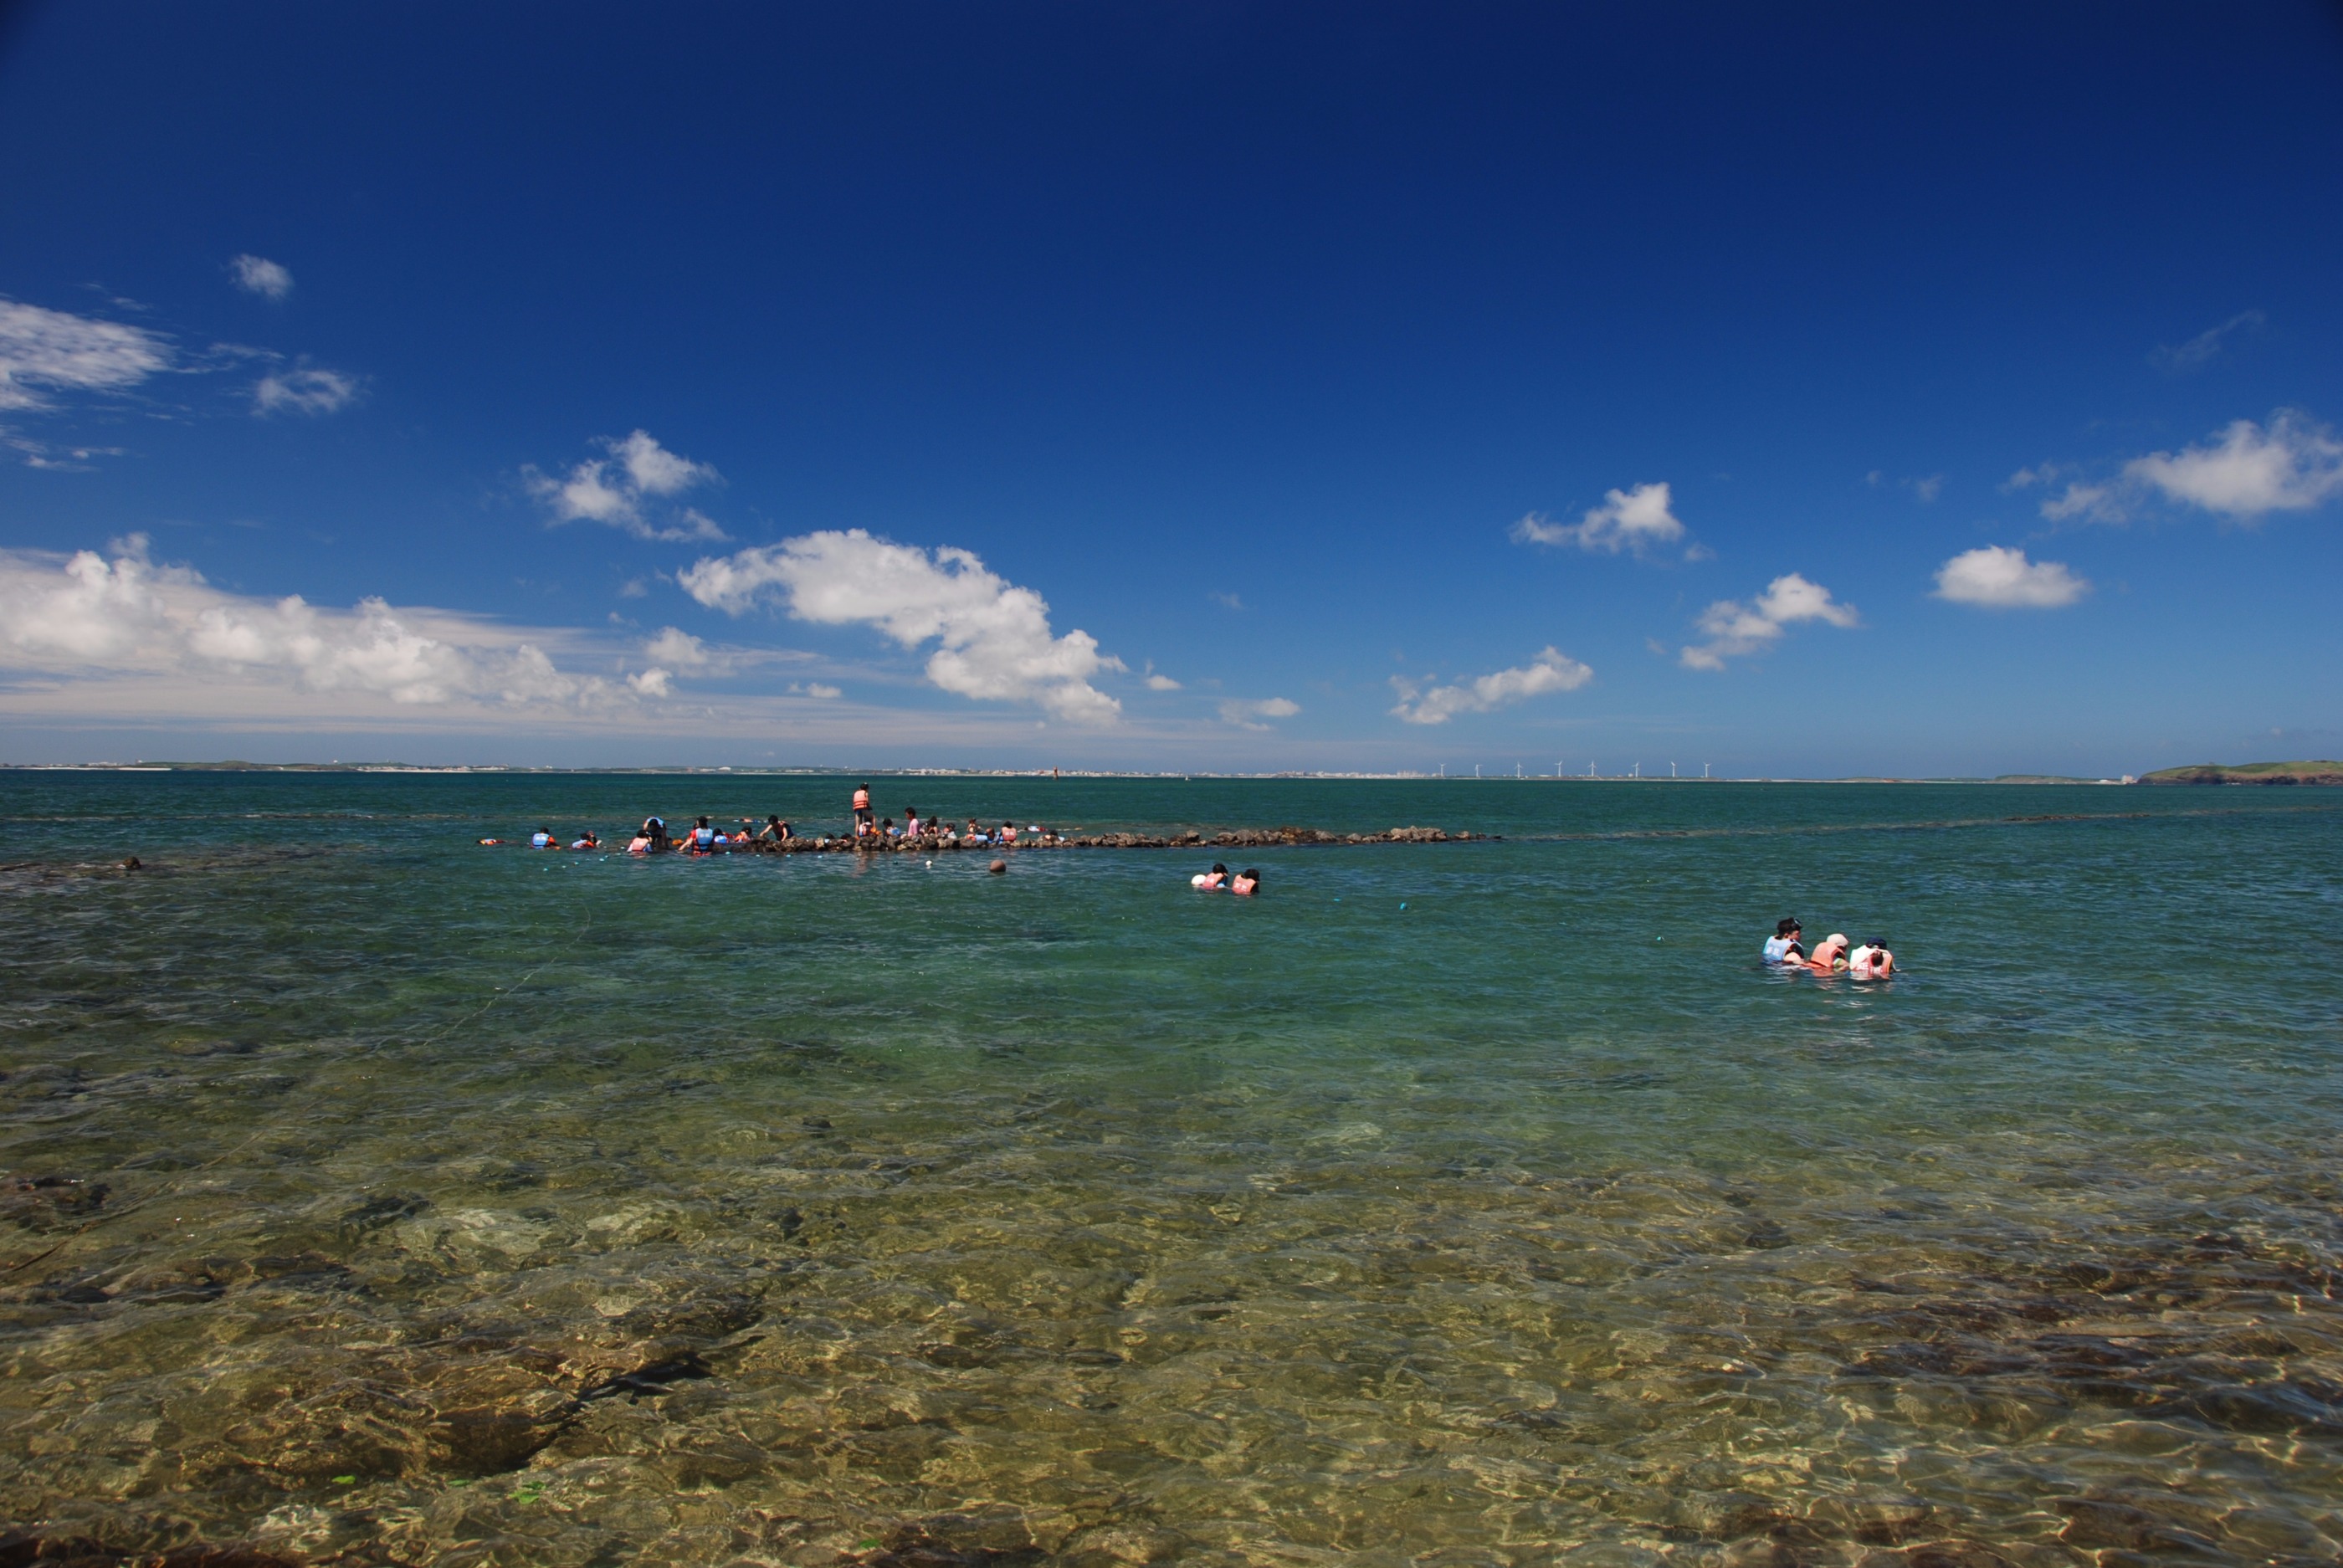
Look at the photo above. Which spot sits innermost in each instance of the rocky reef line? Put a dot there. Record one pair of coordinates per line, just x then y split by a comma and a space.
1233, 838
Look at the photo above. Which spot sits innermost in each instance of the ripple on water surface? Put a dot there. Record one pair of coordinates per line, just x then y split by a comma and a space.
397, 1201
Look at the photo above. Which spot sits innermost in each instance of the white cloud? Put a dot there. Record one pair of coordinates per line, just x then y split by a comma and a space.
258, 275
89, 617
1637, 520
1248, 715
1995, 577
306, 390
1550, 671
819, 690
2292, 466
653, 682
52, 349
612, 490
1928, 489
676, 647
993, 637
1161, 683
2206, 346
1735, 630
1227, 601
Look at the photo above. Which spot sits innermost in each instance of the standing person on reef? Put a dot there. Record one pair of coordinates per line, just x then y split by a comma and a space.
910, 821
862, 811
1783, 946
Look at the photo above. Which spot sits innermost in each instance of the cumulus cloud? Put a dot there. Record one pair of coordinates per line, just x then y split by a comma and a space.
1735, 630
1161, 683
1995, 577
993, 638
304, 390
1550, 671
1248, 714
2244, 473
258, 275
92, 617
2291, 467
1638, 521
52, 350
2206, 346
615, 489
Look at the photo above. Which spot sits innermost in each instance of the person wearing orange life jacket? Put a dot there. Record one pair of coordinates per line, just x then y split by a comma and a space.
1212, 881
1007, 834
1830, 956
542, 839
862, 811
1871, 962
1247, 883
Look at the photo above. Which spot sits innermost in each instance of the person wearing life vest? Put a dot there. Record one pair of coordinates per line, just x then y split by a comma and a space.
703, 836
862, 811
1247, 883
1871, 962
1783, 947
1007, 834
585, 840
1212, 881
542, 839
1831, 957
774, 831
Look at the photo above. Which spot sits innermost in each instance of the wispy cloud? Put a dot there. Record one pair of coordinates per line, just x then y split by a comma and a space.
1227, 601
623, 488
1995, 577
1248, 714
2244, 473
1550, 671
1637, 521
1161, 683
258, 275
90, 619
1735, 630
993, 638
307, 390
46, 351
2206, 346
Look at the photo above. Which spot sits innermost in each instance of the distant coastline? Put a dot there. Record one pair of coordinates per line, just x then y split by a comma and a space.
2282, 773
2329, 773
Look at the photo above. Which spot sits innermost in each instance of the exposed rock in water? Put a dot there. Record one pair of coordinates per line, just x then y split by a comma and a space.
20, 1548
1189, 839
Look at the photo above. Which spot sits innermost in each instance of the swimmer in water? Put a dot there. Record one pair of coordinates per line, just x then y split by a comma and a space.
1211, 882
1870, 962
640, 844
1783, 947
542, 839
1248, 882
702, 839
585, 840
1831, 957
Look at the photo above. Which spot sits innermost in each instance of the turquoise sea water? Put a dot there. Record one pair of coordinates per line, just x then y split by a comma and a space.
1448, 1203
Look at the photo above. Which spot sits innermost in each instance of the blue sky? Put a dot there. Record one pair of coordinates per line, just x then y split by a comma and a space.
1198, 386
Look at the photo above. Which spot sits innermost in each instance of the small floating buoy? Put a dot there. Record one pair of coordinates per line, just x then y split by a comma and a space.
997, 866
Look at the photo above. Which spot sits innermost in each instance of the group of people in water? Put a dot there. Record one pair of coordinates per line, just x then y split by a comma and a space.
1786, 949
1244, 883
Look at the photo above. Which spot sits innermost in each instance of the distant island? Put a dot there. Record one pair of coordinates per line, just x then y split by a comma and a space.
2250, 773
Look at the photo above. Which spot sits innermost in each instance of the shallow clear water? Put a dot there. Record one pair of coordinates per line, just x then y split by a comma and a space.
1072, 1213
